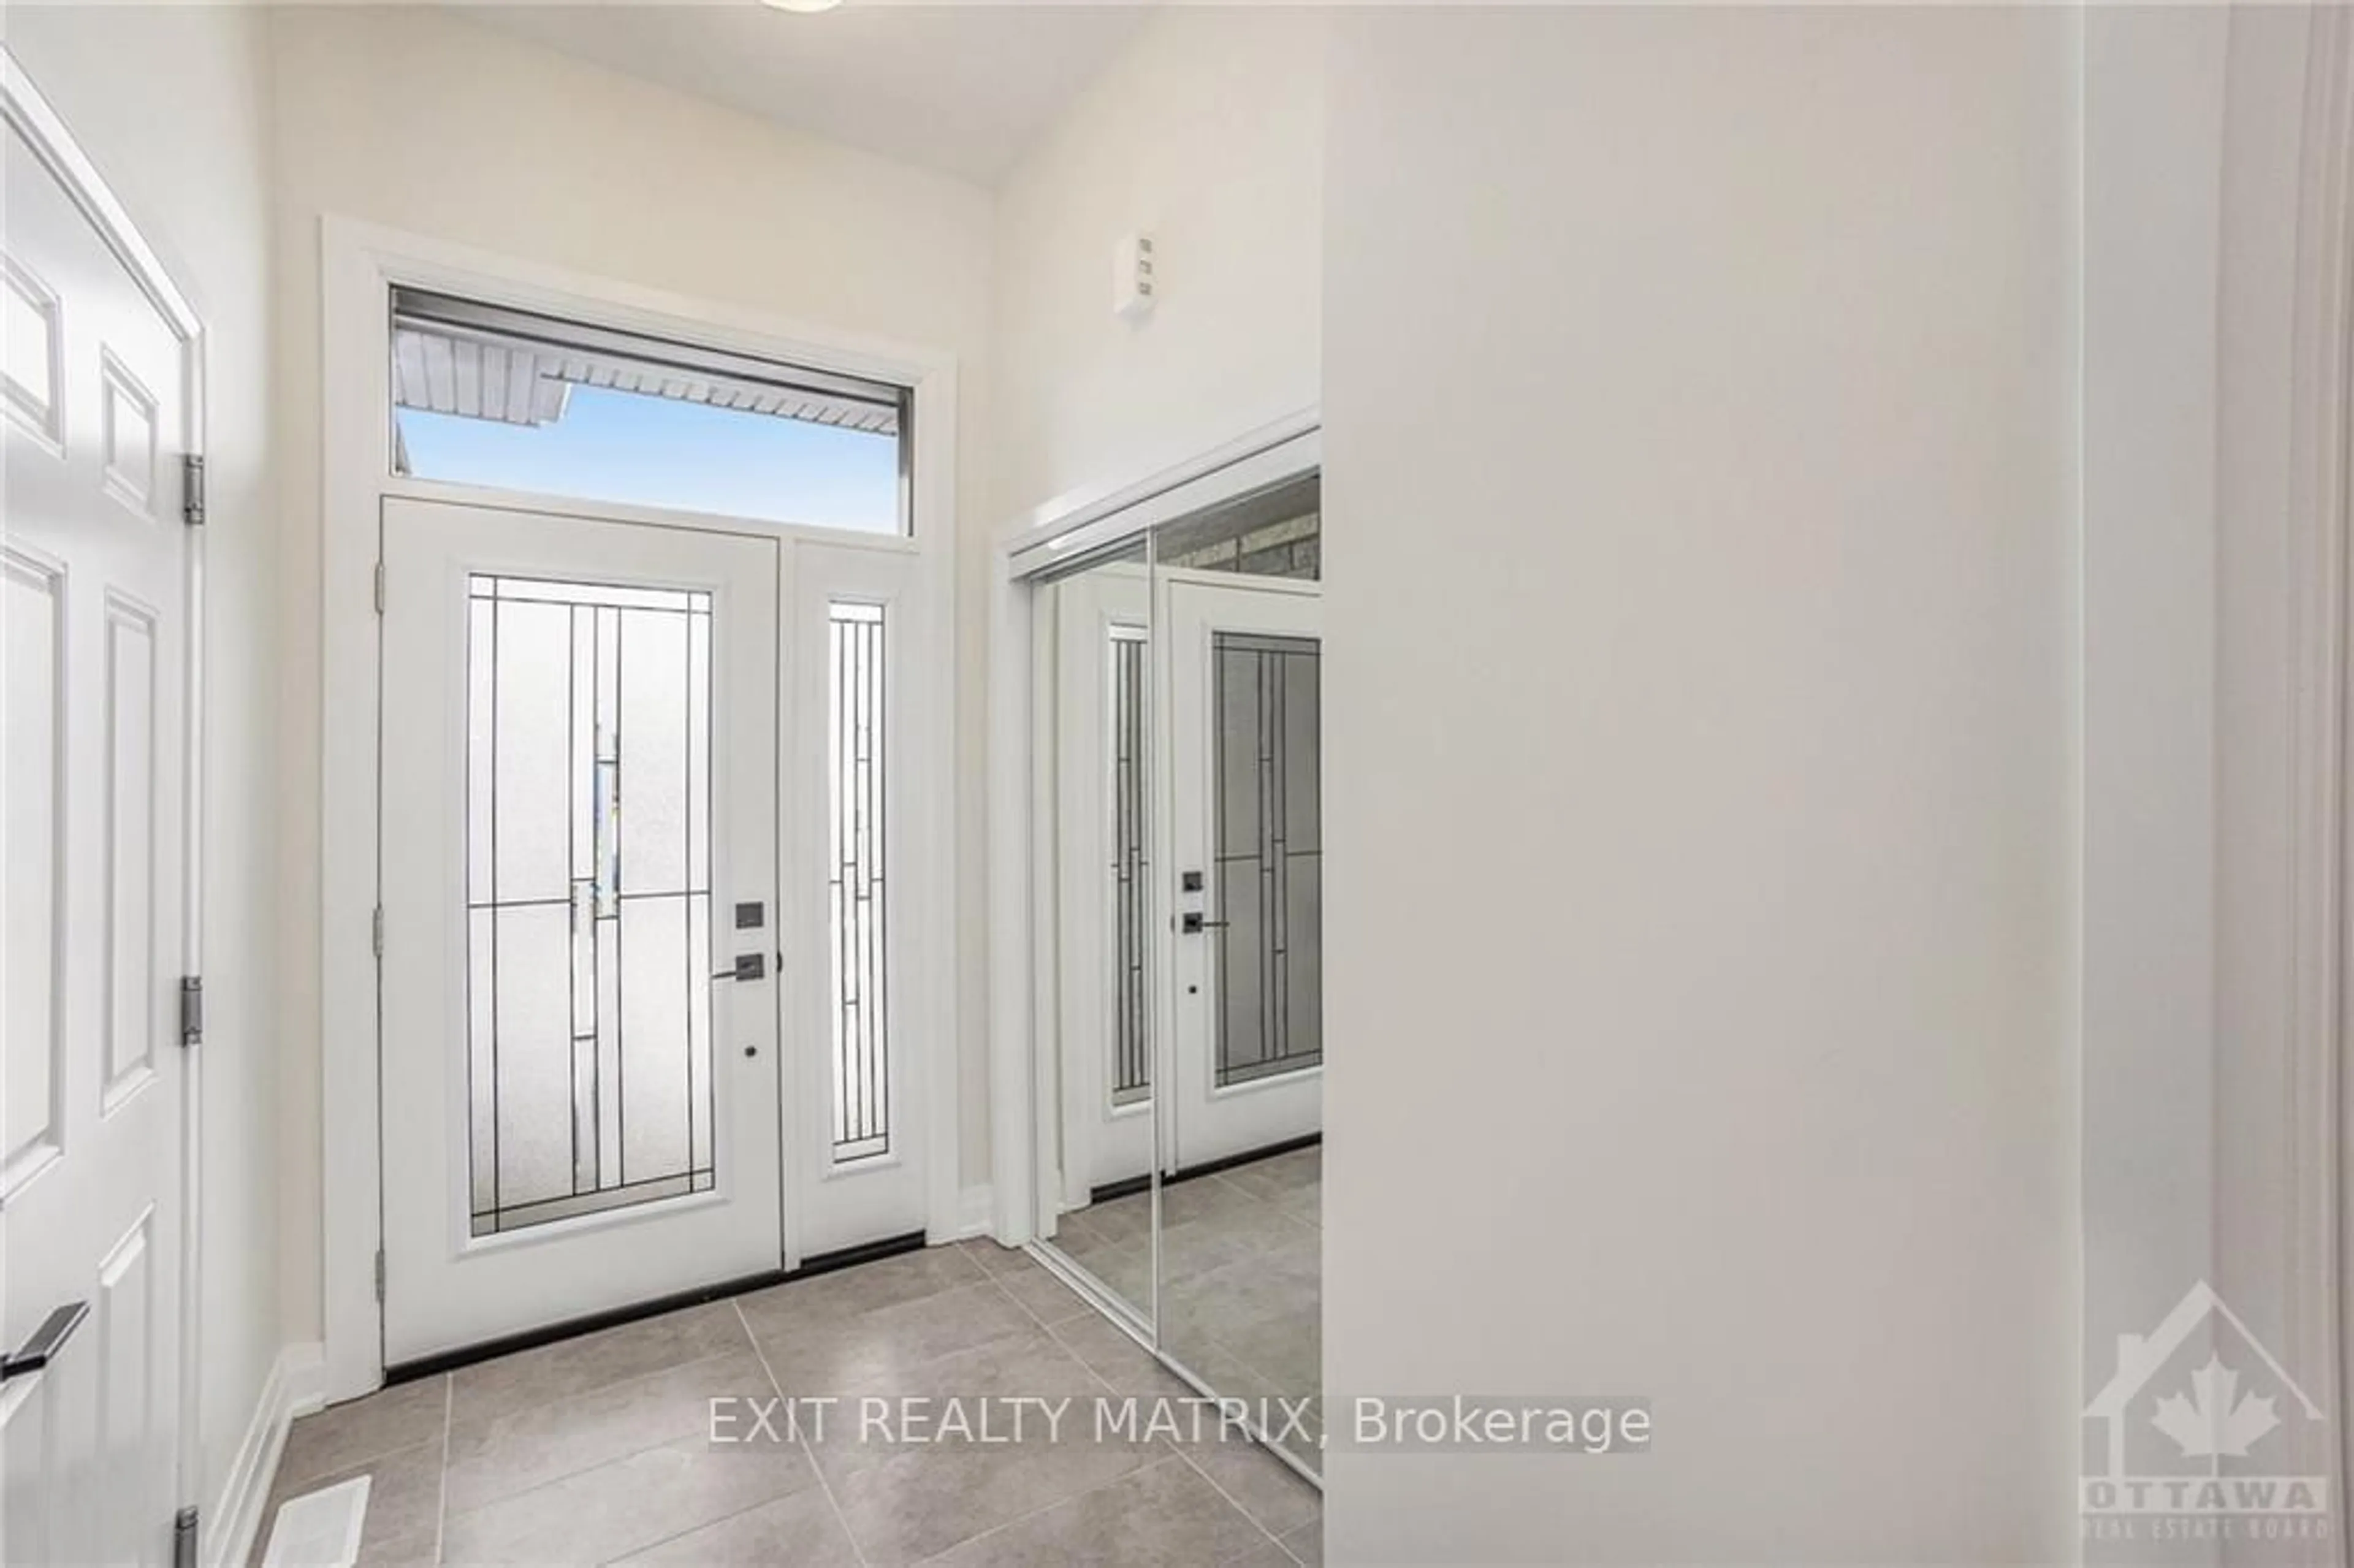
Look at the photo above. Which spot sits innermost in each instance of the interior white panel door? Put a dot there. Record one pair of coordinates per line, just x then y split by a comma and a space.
94, 569
1246, 819
579, 819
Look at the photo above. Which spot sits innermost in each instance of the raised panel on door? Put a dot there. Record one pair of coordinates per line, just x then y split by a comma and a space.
31, 619
131, 800
124, 1330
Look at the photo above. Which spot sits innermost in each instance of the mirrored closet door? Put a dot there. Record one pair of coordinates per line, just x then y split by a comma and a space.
1177, 896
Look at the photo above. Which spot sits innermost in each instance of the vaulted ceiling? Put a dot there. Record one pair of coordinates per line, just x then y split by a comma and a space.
961, 89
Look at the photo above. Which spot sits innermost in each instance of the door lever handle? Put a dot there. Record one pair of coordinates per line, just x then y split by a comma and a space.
748, 966
47, 1342
1191, 924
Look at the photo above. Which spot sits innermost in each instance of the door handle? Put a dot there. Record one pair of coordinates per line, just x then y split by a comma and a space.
1191, 924
47, 1342
748, 966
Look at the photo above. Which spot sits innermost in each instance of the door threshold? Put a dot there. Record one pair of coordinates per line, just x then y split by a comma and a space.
613, 1318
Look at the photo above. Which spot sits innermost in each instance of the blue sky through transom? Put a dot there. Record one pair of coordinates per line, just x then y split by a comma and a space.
631, 449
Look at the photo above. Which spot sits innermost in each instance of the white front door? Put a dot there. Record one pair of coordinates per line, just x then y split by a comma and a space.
97, 659
579, 1005
1246, 883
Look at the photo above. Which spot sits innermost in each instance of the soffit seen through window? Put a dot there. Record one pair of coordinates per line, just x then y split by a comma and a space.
483, 394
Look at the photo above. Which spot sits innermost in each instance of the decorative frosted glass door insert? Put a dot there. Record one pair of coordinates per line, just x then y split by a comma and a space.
1245, 782
589, 911
1267, 881
1130, 1036
579, 801
855, 741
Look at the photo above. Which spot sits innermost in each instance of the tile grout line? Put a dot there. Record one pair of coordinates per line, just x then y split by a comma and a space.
749, 1507
1175, 1451
857, 1548
1256, 1522
1044, 1508
368, 1459
638, 1552
441, 1503
1075, 1496
548, 1482
559, 1478
1032, 1312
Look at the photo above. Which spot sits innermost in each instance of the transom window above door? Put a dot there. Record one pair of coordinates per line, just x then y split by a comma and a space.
509, 399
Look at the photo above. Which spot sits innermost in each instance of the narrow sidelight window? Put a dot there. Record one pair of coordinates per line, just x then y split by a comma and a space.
856, 763
1131, 1051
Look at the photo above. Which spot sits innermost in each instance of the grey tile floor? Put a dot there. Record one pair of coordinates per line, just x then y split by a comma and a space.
1242, 1273
598, 1449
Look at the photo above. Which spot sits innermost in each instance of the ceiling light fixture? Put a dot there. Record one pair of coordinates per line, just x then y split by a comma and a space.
805, 7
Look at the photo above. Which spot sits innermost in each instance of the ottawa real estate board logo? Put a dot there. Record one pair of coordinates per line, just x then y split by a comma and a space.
2196, 1434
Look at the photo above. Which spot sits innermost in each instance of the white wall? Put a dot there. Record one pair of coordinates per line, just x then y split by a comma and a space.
1701, 385
2154, 93
174, 105
1206, 133
415, 119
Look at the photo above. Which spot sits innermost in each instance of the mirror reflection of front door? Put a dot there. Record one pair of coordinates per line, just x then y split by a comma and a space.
579, 819
1245, 824
1102, 725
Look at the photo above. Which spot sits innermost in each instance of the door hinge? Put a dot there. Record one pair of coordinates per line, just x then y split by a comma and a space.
183, 1538
192, 491
379, 588
379, 1273
375, 931
192, 1009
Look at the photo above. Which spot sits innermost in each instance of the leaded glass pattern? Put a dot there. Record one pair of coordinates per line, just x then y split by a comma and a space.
855, 729
1131, 1052
588, 927
1268, 836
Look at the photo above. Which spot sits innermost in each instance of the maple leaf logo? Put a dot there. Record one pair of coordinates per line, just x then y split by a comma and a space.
2211, 1424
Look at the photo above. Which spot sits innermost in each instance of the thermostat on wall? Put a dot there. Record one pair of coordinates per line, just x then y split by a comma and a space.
1131, 277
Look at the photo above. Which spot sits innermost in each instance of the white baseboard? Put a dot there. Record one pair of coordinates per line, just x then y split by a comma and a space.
296, 1386
976, 1211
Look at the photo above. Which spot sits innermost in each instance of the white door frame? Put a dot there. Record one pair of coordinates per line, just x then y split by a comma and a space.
1025, 1185
360, 264
44, 132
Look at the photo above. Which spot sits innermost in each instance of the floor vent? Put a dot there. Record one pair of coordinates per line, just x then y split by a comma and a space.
321, 1529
